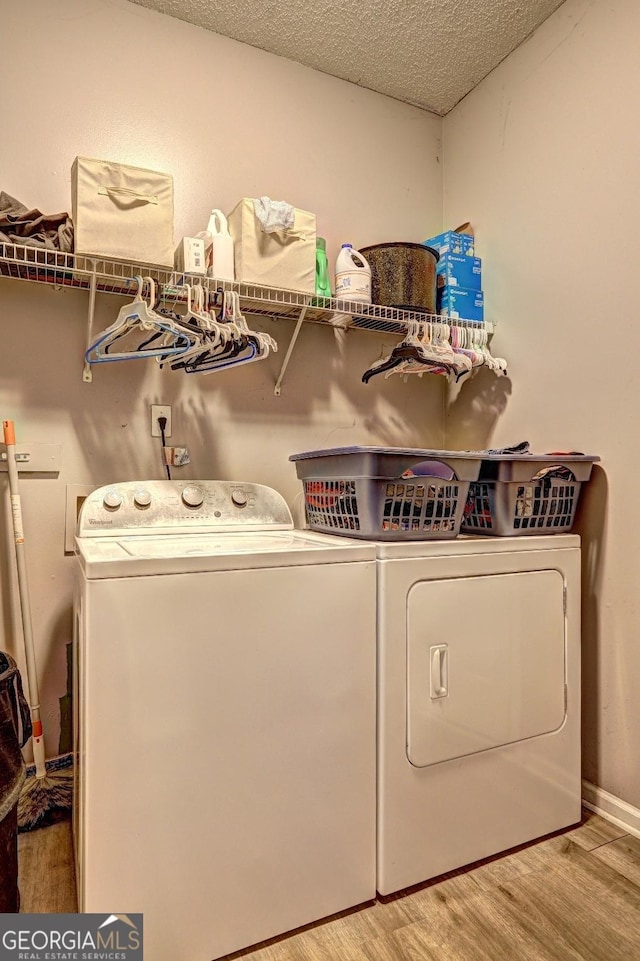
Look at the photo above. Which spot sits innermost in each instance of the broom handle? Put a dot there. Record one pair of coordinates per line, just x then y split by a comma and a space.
25, 604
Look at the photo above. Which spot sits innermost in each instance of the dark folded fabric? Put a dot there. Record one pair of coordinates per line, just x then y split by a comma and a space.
19, 225
521, 448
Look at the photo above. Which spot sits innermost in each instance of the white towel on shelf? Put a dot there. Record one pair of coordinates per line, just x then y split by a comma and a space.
274, 214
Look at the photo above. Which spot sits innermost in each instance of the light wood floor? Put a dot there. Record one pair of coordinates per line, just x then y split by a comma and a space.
571, 897
46, 875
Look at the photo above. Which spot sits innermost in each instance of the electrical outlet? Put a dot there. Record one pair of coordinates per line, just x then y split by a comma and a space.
160, 410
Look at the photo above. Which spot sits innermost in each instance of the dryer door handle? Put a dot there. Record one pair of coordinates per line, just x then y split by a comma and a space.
439, 671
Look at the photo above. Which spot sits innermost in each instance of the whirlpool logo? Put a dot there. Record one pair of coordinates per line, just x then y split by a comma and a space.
71, 937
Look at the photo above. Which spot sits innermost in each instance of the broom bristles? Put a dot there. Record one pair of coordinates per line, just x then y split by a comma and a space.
44, 799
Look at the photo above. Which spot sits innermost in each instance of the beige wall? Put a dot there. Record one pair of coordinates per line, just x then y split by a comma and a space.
544, 158
116, 81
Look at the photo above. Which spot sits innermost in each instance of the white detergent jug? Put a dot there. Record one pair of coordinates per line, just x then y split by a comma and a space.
220, 244
353, 276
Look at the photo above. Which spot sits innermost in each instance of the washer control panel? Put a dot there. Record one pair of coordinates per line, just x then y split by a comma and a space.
176, 506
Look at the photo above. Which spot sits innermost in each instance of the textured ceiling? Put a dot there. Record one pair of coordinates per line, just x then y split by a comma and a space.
425, 52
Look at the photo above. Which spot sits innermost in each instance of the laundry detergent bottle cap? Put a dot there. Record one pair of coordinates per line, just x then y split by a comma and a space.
221, 263
353, 275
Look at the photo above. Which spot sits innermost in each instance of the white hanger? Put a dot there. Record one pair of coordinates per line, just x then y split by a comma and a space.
137, 313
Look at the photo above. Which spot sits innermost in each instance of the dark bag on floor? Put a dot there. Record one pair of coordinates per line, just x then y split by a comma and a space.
15, 731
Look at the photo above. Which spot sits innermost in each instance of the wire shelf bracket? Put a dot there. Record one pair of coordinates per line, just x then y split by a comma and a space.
87, 375
277, 390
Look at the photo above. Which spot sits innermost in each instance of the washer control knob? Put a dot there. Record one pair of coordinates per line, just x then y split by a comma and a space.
112, 500
142, 497
239, 498
192, 496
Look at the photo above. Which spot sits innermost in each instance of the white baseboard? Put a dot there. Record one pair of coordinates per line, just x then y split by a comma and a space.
611, 808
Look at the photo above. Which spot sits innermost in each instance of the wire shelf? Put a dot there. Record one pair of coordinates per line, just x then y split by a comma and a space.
61, 270
97, 275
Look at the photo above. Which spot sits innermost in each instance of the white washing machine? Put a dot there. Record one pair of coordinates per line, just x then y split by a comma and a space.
478, 699
225, 731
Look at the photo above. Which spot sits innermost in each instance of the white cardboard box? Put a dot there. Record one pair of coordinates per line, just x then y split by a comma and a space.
284, 258
190, 256
121, 212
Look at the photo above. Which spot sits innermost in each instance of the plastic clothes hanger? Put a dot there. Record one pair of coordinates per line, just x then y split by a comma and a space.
136, 315
434, 343
174, 320
246, 347
481, 341
400, 355
461, 343
242, 354
238, 351
415, 356
464, 360
264, 342
196, 322
460, 361
211, 337
218, 338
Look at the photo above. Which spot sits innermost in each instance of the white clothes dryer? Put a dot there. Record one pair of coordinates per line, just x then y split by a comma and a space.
225, 722
478, 699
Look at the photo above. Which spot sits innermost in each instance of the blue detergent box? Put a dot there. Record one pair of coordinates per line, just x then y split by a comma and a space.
461, 303
456, 270
451, 242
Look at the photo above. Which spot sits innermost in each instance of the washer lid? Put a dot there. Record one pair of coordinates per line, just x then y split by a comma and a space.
136, 555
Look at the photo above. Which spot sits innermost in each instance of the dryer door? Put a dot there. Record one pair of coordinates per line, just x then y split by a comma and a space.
485, 663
